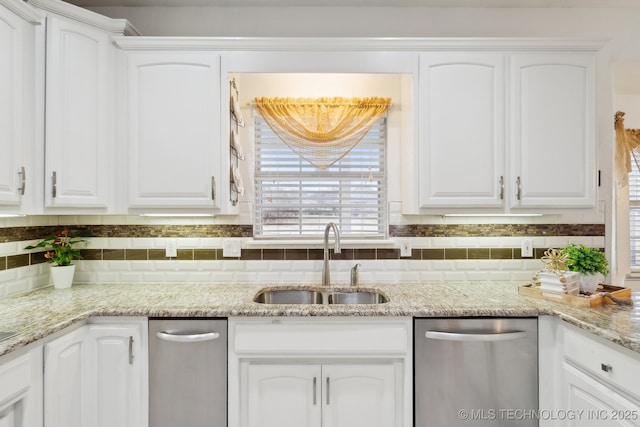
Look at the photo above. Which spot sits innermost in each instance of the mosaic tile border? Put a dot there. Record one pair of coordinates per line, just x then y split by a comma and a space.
495, 230
431, 254
186, 231
14, 234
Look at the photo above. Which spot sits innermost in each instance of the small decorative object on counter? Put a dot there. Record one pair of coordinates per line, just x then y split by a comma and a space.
560, 280
60, 253
591, 263
555, 277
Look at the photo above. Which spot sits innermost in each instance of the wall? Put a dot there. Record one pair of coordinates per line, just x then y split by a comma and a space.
130, 249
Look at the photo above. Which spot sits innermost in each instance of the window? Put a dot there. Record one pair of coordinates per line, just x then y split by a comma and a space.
634, 215
294, 199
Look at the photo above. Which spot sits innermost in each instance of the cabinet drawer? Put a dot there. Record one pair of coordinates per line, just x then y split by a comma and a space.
15, 378
609, 362
322, 337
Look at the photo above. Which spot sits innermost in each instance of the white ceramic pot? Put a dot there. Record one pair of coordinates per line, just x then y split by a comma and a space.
589, 282
62, 275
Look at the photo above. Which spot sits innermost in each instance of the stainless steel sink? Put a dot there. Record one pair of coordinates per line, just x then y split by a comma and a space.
293, 296
307, 296
364, 297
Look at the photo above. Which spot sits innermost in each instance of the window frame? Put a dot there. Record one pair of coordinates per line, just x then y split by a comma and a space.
335, 174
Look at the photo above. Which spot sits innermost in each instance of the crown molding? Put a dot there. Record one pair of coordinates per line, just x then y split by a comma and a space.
115, 26
23, 10
357, 44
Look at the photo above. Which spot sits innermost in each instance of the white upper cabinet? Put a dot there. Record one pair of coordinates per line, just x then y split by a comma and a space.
553, 130
78, 134
17, 100
496, 138
173, 130
461, 119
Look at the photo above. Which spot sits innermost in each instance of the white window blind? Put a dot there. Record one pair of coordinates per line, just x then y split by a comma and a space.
294, 199
634, 215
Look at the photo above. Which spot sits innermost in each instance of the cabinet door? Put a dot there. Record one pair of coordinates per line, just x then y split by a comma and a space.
67, 391
174, 130
21, 390
596, 404
283, 396
553, 124
15, 48
461, 130
359, 396
78, 113
117, 362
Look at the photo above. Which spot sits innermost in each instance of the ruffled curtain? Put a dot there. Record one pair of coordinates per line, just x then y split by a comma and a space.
627, 145
322, 130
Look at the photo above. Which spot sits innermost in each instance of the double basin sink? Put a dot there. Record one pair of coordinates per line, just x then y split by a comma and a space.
313, 296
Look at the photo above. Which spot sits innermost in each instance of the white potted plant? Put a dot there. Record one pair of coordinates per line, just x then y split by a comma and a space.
591, 263
60, 253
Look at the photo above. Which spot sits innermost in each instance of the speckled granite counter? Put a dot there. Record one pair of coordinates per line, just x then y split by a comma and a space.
44, 312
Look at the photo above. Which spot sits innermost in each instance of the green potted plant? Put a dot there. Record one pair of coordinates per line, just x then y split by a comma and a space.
60, 253
591, 263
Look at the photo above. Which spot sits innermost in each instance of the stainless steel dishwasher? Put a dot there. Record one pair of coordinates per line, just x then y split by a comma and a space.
187, 372
475, 371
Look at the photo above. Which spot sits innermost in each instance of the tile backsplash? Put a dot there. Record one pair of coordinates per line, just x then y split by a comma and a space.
440, 252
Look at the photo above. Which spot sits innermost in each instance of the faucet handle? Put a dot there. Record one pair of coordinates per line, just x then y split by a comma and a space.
355, 275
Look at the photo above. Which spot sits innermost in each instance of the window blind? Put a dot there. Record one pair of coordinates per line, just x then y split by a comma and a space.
294, 199
634, 215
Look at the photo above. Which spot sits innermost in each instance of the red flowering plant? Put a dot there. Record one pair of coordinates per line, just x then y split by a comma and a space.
59, 245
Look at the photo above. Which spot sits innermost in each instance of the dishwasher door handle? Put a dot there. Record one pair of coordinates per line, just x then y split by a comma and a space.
206, 336
475, 336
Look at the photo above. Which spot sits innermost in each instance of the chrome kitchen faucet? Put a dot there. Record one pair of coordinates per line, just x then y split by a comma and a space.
326, 273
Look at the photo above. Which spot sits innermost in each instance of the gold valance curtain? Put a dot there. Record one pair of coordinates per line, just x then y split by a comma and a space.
627, 145
322, 130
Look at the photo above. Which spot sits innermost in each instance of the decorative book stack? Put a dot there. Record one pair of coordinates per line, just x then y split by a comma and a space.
565, 282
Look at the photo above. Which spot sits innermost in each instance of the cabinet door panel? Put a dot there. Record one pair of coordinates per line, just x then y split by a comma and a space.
553, 130
283, 396
461, 129
359, 396
174, 129
118, 378
77, 115
10, 105
66, 387
595, 404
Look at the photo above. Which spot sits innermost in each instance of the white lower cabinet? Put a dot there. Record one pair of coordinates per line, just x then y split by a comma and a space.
586, 380
358, 395
66, 377
333, 372
95, 376
21, 390
595, 403
328, 395
283, 395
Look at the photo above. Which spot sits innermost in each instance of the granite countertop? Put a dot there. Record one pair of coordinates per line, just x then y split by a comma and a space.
41, 313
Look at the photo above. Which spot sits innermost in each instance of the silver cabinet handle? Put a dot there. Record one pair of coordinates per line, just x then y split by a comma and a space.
328, 390
207, 336
23, 180
54, 185
130, 350
213, 188
475, 336
606, 368
519, 187
315, 389
501, 187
